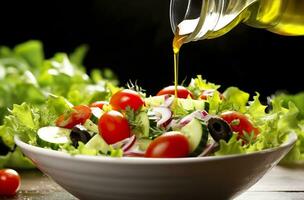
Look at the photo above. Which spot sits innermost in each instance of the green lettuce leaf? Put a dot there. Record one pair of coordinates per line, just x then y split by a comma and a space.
31, 52
198, 84
233, 146
235, 99
15, 160
26, 76
256, 110
294, 121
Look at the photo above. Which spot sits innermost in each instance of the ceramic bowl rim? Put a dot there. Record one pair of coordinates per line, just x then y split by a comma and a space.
139, 160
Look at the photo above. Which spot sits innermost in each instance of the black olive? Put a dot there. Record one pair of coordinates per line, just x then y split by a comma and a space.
79, 134
219, 129
3, 148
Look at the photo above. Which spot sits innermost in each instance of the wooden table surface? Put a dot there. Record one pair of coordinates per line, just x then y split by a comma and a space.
281, 183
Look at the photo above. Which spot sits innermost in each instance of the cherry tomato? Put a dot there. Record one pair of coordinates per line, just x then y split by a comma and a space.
239, 123
78, 115
9, 182
113, 127
125, 98
99, 104
169, 145
209, 93
182, 92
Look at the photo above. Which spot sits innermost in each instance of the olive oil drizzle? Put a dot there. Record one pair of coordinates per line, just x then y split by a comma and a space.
178, 41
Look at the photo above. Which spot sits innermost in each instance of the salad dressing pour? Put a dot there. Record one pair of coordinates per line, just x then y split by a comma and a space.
178, 41
194, 20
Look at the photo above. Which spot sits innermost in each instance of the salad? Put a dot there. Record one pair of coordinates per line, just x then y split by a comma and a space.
200, 121
27, 76
296, 155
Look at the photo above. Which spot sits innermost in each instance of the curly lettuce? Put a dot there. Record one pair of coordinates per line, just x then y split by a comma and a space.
296, 155
274, 126
27, 76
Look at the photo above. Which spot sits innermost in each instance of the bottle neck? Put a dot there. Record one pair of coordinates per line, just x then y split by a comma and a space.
209, 18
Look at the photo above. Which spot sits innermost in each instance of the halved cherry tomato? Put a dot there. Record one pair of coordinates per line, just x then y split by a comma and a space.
125, 98
99, 104
209, 93
182, 92
78, 115
113, 127
239, 123
9, 182
169, 145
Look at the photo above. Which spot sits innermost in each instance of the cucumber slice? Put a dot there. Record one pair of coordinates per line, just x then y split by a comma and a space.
98, 144
96, 114
91, 127
142, 120
154, 101
197, 134
188, 104
53, 137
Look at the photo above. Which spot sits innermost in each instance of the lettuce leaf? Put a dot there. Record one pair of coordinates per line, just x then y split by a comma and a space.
233, 146
198, 84
15, 159
235, 99
294, 122
26, 76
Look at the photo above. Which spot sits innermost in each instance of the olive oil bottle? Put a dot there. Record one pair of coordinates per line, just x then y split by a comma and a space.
193, 20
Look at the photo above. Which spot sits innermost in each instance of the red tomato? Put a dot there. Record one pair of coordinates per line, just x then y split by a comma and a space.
242, 123
182, 92
9, 182
209, 93
125, 98
113, 127
99, 104
169, 145
78, 115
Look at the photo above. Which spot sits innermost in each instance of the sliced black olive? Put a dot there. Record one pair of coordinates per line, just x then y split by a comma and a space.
3, 148
79, 134
219, 129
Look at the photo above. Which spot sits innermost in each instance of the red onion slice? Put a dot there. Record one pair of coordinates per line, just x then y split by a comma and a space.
134, 154
209, 149
129, 143
201, 115
125, 144
134, 151
168, 101
163, 114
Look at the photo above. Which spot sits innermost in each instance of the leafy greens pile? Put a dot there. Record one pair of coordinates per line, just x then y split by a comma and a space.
26, 76
274, 125
297, 153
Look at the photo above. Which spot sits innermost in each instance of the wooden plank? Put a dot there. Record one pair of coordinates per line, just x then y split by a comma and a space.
271, 196
35, 186
39, 195
282, 179
281, 183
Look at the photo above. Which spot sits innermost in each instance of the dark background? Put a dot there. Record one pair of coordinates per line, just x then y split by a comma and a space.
133, 37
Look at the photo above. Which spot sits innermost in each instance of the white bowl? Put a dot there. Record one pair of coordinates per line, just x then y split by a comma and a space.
89, 177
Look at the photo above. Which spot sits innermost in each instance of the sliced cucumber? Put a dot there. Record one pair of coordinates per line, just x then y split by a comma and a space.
188, 104
98, 144
96, 114
197, 134
53, 137
143, 122
154, 101
91, 127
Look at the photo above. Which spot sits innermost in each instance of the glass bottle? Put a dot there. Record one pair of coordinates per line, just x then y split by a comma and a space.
206, 19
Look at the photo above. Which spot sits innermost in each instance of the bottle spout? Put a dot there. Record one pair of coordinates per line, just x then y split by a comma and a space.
200, 19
